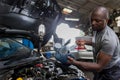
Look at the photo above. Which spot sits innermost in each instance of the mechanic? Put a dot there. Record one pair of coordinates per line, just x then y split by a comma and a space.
106, 48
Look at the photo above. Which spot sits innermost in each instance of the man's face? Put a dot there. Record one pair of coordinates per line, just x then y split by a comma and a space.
98, 22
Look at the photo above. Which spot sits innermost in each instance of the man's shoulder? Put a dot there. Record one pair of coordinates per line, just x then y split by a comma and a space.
109, 32
110, 35
109, 29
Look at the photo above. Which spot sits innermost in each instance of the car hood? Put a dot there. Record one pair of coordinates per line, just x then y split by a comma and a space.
29, 16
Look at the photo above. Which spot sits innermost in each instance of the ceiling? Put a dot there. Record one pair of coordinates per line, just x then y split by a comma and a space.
85, 6
82, 8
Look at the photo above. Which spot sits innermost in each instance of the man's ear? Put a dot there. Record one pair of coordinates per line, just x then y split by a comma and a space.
107, 20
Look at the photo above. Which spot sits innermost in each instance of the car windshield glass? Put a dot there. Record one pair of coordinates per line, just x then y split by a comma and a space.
10, 47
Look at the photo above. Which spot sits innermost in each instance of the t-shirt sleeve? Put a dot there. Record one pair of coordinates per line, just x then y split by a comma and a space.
108, 46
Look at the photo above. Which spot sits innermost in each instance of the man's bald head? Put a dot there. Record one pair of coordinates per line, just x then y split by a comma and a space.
101, 10
99, 18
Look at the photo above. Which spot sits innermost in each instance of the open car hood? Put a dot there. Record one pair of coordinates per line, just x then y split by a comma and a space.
28, 15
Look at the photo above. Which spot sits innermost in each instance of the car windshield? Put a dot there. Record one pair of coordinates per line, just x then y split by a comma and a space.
10, 47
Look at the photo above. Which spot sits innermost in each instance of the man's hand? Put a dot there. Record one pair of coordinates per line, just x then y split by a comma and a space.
71, 60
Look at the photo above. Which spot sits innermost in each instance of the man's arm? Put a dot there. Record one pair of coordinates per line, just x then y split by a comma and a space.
102, 60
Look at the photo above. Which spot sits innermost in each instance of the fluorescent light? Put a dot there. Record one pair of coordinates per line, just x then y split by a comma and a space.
67, 11
72, 19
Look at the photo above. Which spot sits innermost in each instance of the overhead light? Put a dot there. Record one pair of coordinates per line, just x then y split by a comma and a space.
72, 19
66, 11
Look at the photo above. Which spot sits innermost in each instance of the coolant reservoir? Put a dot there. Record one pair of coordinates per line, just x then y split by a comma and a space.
19, 78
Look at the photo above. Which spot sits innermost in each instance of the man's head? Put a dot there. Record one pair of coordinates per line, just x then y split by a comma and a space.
99, 18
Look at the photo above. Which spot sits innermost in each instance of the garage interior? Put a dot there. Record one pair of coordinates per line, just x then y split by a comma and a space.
58, 21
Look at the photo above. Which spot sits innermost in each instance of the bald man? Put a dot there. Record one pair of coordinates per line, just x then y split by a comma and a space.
106, 48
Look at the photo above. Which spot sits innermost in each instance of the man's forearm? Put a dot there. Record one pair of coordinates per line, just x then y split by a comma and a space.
89, 66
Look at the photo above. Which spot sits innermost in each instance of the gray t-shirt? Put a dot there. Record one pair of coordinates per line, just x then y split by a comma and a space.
108, 42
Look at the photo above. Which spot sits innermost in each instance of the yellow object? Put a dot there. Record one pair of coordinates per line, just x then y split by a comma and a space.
19, 78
